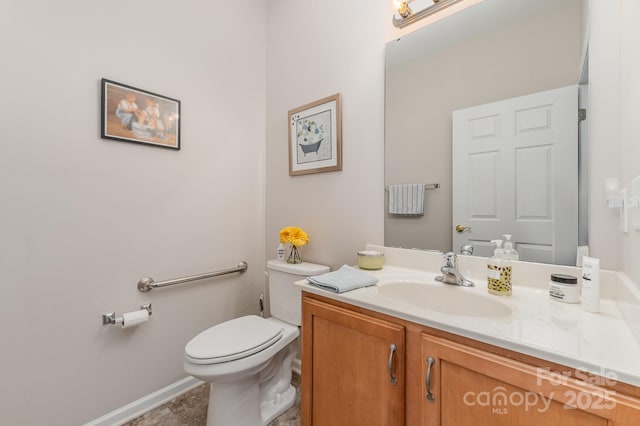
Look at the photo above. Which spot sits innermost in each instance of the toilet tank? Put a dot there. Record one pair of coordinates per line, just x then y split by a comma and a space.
285, 299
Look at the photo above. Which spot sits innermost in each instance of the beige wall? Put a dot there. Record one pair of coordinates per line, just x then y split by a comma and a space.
344, 210
630, 132
532, 55
605, 238
83, 219
316, 49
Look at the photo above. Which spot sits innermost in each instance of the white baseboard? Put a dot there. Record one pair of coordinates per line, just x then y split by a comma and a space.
146, 403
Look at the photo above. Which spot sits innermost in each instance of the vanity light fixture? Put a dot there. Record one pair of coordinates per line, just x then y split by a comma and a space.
402, 8
405, 15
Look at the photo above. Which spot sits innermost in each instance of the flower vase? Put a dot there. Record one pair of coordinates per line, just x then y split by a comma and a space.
294, 255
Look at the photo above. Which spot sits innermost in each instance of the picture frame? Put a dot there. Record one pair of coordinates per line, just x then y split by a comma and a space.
315, 137
130, 114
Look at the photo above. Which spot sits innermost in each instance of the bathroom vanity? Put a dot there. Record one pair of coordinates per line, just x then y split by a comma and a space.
397, 356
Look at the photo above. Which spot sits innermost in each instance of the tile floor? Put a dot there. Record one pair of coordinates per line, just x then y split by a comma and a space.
190, 409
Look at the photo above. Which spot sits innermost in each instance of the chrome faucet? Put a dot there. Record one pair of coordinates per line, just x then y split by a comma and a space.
450, 273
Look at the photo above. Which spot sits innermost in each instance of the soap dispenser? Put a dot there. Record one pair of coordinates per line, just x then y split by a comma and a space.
499, 272
509, 252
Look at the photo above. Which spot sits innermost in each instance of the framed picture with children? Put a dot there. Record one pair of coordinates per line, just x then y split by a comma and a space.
134, 115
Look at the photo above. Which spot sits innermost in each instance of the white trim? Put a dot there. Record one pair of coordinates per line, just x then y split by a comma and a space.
146, 403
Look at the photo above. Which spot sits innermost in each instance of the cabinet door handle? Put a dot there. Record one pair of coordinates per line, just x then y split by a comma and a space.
430, 396
392, 378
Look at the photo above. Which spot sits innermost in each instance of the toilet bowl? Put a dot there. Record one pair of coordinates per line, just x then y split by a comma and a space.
247, 360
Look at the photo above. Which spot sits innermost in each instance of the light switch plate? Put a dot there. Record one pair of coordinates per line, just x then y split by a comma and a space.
635, 196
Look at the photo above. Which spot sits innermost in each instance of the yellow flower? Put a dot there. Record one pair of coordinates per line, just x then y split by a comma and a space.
293, 235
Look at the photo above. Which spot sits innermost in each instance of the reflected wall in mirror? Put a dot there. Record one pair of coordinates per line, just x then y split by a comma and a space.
490, 52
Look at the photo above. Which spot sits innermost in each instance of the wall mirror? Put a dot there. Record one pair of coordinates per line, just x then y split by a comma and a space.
485, 103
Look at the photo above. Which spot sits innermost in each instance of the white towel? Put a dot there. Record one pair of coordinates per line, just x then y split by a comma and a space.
407, 199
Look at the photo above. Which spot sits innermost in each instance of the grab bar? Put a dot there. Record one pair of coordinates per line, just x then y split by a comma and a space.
147, 283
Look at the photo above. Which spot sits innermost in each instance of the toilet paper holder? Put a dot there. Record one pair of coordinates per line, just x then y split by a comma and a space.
110, 318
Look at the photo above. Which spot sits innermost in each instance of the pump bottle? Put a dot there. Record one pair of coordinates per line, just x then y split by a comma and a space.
499, 272
509, 252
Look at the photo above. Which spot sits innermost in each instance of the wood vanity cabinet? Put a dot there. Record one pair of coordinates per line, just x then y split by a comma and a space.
468, 386
442, 378
352, 368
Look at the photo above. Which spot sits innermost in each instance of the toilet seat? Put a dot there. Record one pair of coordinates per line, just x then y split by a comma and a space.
231, 340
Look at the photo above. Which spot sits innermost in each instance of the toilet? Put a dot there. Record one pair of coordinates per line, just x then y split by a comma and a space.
247, 360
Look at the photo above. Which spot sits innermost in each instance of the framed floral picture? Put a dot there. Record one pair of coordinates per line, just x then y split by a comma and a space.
135, 115
315, 137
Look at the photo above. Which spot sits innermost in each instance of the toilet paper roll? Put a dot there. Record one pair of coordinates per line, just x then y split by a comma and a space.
131, 319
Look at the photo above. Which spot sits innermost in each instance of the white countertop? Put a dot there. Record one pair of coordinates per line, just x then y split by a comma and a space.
601, 343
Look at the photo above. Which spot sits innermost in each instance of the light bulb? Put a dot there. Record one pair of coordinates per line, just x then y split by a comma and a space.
402, 7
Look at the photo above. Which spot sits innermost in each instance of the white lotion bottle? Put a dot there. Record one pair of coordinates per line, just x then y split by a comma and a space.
591, 284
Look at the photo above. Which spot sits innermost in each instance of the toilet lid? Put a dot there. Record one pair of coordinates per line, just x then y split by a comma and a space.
234, 339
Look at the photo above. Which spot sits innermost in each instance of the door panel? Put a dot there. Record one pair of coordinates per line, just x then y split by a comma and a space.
516, 172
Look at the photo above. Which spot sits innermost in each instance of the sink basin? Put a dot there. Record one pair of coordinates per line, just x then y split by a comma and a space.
444, 298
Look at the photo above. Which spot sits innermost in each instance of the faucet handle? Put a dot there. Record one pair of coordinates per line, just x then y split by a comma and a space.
451, 260
466, 249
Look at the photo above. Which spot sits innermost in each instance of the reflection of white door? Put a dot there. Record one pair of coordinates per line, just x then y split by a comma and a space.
515, 171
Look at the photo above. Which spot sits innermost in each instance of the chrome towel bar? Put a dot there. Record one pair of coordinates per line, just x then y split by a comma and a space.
426, 186
147, 284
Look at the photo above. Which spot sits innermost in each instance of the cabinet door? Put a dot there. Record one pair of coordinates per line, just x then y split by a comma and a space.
472, 387
352, 368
